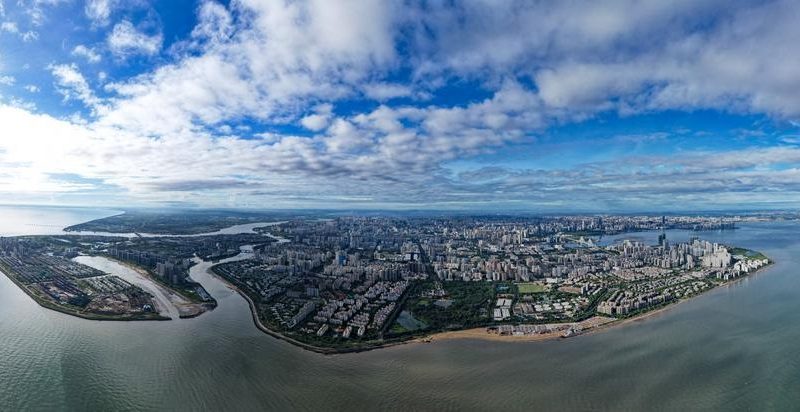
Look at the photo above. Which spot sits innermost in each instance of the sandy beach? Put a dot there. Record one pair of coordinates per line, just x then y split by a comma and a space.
487, 333
591, 325
174, 304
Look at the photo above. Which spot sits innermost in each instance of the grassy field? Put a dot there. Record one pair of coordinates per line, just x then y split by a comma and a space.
530, 288
747, 253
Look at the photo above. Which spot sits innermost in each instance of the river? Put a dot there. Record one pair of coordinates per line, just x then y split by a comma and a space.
734, 348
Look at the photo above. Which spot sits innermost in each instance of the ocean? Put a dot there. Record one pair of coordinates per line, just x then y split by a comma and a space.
734, 348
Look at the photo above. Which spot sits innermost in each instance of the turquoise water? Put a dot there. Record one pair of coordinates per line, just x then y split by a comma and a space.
734, 348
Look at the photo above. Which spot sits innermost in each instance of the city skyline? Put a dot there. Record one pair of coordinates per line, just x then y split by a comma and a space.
570, 106
399, 205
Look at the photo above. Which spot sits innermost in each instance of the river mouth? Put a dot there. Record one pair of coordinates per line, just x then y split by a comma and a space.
167, 302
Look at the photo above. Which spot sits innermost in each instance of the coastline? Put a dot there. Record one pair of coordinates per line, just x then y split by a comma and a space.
480, 333
203, 307
302, 345
198, 308
78, 314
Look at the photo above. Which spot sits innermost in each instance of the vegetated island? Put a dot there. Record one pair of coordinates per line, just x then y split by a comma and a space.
353, 284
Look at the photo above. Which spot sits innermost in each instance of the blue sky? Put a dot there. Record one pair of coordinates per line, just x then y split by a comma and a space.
540, 106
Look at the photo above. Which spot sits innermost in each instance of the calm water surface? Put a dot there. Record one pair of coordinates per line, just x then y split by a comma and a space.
39, 220
735, 348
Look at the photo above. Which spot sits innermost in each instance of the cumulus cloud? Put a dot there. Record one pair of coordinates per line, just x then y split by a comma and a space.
89, 53
99, 11
535, 64
215, 22
728, 69
299, 170
126, 40
283, 58
318, 120
628, 56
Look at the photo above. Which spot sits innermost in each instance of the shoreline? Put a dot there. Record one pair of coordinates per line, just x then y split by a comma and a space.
302, 345
479, 333
204, 307
67, 311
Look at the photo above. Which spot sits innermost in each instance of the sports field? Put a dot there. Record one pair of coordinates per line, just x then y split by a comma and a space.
530, 288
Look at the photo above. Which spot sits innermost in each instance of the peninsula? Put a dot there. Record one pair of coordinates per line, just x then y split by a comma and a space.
355, 283
47, 274
51, 270
359, 283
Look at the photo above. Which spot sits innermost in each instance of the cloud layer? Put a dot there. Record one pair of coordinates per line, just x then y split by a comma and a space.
316, 103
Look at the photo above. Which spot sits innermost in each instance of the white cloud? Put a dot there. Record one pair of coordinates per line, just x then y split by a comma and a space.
628, 56
283, 57
315, 122
22, 104
319, 120
72, 85
386, 91
89, 53
214, 22
99, 11
538, 64
32, 88
36, 9
287, 56
374, 147
10, 27
13, 28
126, 40
203, 89
729, 68
7, 80
372, 158
29, 36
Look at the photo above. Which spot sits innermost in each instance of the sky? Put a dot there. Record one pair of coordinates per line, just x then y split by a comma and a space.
485, 105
